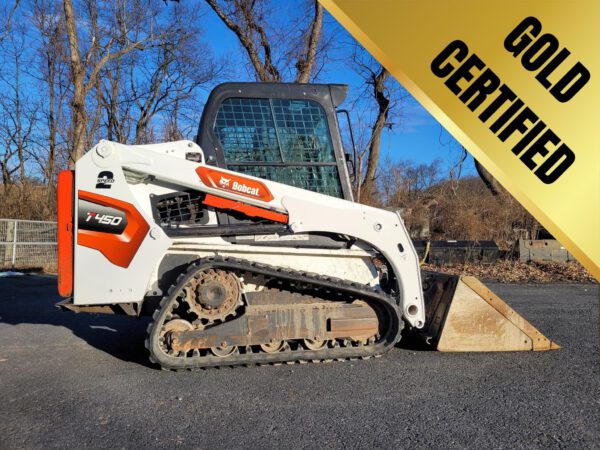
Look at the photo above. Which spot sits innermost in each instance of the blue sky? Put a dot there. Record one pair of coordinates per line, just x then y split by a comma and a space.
418, 137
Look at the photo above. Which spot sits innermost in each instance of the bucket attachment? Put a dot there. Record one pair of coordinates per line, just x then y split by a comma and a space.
463, 315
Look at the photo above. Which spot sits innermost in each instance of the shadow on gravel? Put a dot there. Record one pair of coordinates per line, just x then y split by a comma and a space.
32, 299
410, 342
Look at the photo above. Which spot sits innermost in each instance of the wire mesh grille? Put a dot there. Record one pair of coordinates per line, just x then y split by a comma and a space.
27, 244
246, 130
180, 209
302, 130
279, 131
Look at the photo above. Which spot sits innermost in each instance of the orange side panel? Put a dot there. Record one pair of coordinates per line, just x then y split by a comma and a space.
118, 248
64, 198
249, 210
234, 183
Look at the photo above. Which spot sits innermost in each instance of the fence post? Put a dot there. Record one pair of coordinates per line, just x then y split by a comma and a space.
14, 252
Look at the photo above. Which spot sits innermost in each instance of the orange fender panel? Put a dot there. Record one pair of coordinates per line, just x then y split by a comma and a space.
117, 248
64, 199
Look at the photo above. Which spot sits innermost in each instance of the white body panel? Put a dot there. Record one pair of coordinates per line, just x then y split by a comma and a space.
97, 281
353, 264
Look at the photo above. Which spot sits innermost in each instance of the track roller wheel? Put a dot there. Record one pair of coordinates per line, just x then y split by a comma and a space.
224, 350
314, 344
273, 347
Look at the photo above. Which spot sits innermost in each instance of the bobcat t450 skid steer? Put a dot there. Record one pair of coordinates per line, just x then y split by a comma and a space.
246, 246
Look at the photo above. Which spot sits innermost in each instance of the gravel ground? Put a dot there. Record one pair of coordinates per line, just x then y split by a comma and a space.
82, 381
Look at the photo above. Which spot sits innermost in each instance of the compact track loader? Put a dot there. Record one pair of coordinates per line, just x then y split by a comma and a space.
245, 247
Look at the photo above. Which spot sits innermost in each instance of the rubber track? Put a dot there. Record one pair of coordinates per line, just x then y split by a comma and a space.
308, 281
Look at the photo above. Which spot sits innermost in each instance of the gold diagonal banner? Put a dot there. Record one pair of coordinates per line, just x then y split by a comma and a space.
516, 82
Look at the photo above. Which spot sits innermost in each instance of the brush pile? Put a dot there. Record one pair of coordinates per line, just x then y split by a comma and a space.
507, 271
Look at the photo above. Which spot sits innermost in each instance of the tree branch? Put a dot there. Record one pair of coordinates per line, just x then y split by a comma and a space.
306, 61
265, 70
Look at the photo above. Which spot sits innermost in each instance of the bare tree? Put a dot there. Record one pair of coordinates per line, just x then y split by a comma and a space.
488, 179
52, 70
172, 72
172, 131
306, 60
116, 125
379, 101
248, 20
87, 59
19, 112
8, 12
407, 186
112, 101
382, 98
163, 80
244, 18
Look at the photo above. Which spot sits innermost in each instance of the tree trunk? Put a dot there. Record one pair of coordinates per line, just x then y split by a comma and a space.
490, 182
368, 185
77, 78
51, 160
19, 133
141, 128
306, 62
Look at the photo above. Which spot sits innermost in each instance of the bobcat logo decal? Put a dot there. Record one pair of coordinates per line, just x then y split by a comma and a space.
224, 182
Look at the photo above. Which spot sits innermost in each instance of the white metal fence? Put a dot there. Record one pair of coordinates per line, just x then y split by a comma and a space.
27, 244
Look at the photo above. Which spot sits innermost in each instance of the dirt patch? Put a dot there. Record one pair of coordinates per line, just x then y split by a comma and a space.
520, 272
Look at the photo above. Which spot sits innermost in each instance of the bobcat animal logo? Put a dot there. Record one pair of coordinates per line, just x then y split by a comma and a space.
224, 182
105, 180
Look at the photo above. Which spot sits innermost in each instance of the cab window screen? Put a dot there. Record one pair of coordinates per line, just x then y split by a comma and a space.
285, 140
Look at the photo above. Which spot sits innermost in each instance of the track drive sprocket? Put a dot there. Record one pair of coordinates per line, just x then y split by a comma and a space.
213, 295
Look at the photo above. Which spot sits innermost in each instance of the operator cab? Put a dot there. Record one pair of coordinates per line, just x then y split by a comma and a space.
283, 132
